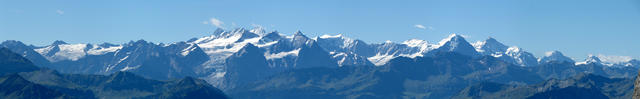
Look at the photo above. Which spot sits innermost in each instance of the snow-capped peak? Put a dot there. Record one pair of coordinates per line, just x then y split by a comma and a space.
555, 56
451, 38
62, 51
227, 42
455, 43
490, 46
299, 39
258, 30
241, 32
270, 37
331, 36
593, 59
415, 43
520, 57
103, 49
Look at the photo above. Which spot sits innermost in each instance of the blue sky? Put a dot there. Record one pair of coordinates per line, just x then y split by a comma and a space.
574, 27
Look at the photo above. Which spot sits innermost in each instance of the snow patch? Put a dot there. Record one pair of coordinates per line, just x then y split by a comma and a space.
71, 52
188, 50
266, 44
380, 59
331, 36
282, 54
43, 51
219, 74
130, 68
97, 50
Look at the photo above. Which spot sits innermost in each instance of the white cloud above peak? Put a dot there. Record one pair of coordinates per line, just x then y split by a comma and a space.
420, 26
60, 12
215, 22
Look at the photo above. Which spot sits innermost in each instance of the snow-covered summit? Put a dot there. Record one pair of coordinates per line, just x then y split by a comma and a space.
490, 46
60, 50
556, 56
616, 61
510, 54
456, 43
520, 57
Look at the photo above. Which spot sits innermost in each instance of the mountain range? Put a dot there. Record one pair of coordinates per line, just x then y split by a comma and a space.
257, 64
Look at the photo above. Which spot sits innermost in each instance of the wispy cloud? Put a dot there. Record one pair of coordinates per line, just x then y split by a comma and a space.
60, 12
214, 22
420, 26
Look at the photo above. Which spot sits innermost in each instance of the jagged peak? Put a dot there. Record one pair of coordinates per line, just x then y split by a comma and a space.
258, 30
491, 40
593, 59
555, 56
250, 46
247, 48
490, 46
58, 42
298, 32
13, 42
139, 42
237, 31
452, 38
298, 36
273, 34
553, 53
241, 29
454, 42
218, 31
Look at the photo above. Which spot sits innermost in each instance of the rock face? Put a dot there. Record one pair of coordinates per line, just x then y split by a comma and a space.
636, 88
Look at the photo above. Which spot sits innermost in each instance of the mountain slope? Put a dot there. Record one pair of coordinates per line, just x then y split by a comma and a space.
26, 51
13, 63
14, 86
583, 86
